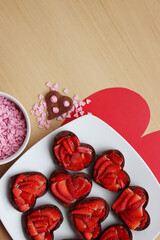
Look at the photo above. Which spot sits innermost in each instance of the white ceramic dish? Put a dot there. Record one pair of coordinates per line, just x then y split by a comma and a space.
91, 130
24, 144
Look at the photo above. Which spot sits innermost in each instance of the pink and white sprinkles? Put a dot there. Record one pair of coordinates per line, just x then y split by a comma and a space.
12, 128
41, 109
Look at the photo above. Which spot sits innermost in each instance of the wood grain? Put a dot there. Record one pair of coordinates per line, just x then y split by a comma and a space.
83, 45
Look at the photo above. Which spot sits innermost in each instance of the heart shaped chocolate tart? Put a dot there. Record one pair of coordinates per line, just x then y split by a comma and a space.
69, 188
25, 188
130, 207
108, 171
87, 215
70, 153
39, 223
57, 104
116, 232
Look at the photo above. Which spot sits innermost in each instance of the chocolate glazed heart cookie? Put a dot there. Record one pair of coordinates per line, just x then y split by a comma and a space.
39, 223
108, 171
116, 232
25, 188
86, 217
68, 188
57, 104
130, 207
70, 153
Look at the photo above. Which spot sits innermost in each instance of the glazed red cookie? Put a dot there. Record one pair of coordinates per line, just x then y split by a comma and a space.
25, 188
69, 188
39, 223
108, 171
130, 208
70, 154
57, 104
87, 215
116, 232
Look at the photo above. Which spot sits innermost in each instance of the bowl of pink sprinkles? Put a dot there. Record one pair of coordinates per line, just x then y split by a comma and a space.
14, 128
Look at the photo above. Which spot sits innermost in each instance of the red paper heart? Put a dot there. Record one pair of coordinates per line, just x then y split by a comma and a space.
39, 223
87, 215
130, 207
70, 153
108, 171
68, 188
128, 113
25, 188
116, 232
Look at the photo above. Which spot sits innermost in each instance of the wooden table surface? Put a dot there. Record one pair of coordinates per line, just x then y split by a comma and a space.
83, 45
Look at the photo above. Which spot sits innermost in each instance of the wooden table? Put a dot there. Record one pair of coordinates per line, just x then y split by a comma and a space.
83, 45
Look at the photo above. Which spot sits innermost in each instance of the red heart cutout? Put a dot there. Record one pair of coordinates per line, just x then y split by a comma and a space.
130, 207
70, 153
57, 104
39, 223
68, 188
25, 188
116, 232
128, 113
86, 217
108, 173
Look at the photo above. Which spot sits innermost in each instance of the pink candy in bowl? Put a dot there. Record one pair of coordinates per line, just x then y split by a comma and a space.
14, 128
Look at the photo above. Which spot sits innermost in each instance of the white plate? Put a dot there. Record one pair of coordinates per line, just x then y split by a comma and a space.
94, 131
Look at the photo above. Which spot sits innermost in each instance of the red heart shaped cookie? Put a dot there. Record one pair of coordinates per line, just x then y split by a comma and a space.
87, 215
108, 171
70, 153
130, 207
116, 232
57, 104
39, 223
25, 188
68, 188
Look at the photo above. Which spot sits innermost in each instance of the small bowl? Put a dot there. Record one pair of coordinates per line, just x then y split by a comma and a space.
28, 127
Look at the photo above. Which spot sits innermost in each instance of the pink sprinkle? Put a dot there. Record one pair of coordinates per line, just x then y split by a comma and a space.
59, 118
40, 96
32, 112
75, 115
47, 126
65, 90
55, 85
53, 99
79, 109
89, 113
88, 101
55, 110
12, 128
53, 89
81, 113
40, 126
64, 115
48, 121
48, 84
66, 103
75, 97
38, 119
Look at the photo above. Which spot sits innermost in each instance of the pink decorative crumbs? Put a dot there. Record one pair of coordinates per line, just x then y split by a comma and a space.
65, 90
12, 128
48, 84
75, 97
41, 109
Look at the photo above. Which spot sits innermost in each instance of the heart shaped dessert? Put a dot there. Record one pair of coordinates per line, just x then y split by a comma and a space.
39, 223
68, 188
57, 104
108, 171
70, 153
130, 207
87, 215
116, 232
25, 188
